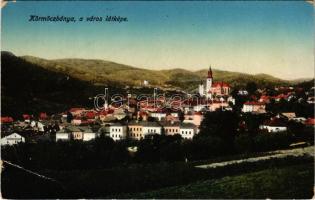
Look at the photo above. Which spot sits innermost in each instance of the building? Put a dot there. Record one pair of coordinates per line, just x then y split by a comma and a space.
62, 135
171, 128
213, 89
76, 132
118, 131
83, 133
158, 115
88, 133
151, 128
258, 107
187, 130
135, 129
275, 124
289, 115
310, 122
12, 139
193, 118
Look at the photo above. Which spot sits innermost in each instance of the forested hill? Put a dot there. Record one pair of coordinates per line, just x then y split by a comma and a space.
100, 72
29, 88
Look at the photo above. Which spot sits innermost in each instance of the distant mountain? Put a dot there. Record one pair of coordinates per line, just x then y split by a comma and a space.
100, 72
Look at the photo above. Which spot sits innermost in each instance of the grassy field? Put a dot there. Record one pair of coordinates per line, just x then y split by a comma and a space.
290, 177
286, 182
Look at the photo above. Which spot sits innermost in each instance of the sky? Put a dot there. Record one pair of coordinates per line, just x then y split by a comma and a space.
275, 38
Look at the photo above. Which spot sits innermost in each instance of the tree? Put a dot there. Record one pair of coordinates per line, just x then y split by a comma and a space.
69, 117
251, 88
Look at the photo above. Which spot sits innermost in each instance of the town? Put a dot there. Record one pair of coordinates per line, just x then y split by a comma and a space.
136, 118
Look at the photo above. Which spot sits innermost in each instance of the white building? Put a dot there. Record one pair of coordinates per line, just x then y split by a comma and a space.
274, 125
89, 136
187, 130
273, 129
62, 135
38, 126
118, 131
12, 139
151, 128
258, 107
158, 115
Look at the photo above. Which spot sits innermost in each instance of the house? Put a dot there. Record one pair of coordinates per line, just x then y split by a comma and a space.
187, 130
104, 130
264, 99
77, 111
171, 128
242, 92
311, 100
158, 115
84, 133
171, 117
26, 117
62, 135
77, 121
119, 114
37, 126
117, 131
88, 133
135, 129
289, 115
299, 119
76, 133
215, 104
43, 116
275, 124
6, 120
257, 107
194, 118
151, 128
12, 139
310, 122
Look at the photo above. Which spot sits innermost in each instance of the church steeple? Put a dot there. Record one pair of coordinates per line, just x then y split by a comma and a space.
210, 72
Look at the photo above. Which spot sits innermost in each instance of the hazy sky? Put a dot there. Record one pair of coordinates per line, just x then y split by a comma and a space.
276, 38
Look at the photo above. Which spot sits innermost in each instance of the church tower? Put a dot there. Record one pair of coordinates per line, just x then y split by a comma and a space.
209, 84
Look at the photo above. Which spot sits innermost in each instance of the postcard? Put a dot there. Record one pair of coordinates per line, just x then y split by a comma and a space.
157, 99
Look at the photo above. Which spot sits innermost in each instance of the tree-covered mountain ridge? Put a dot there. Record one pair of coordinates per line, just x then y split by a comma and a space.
101, 72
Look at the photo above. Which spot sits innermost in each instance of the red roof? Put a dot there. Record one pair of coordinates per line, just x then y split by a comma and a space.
264, 97
90, 114
254, 103
76, 109
6, 119
197, 113
26, 116
42, 115
220, 84
276, 122
280, 96
310, 121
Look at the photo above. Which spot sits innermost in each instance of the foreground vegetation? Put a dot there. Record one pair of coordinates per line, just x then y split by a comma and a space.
137, 180
293, 182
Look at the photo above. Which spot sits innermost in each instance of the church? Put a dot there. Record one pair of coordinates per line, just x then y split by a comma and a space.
213, 89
